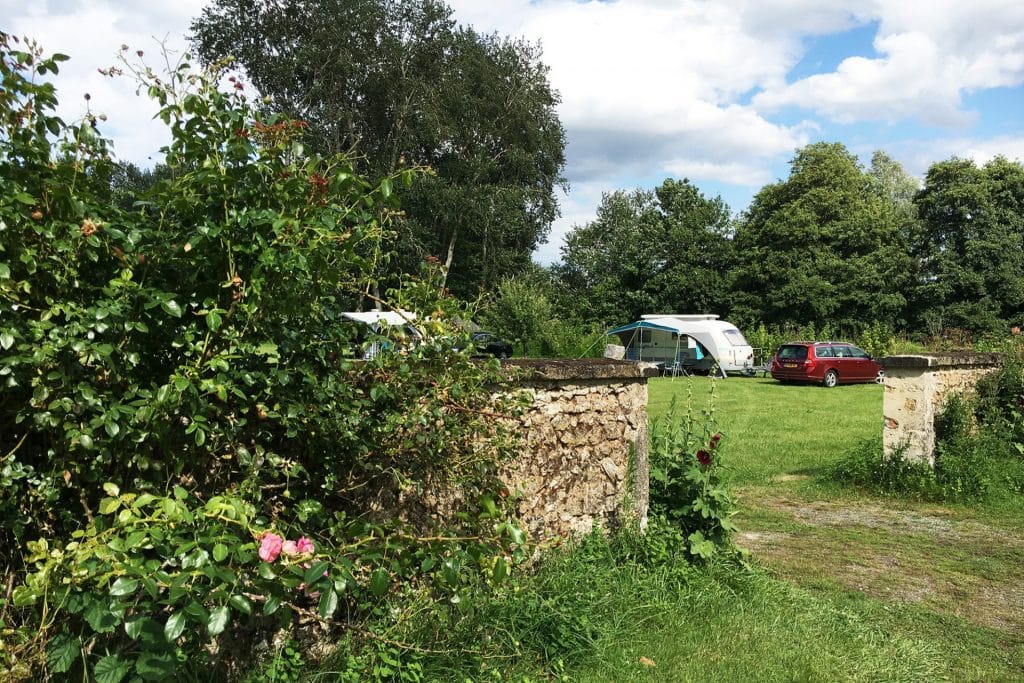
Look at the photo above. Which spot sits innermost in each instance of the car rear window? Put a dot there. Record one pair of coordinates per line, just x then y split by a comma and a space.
793, 353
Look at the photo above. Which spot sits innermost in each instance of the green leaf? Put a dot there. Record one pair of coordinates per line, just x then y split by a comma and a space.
111, 489
315, 572
174, 627
25, 198
267, 349
171, 307
6, 340
213, 320
241, 603
219, 618
500, 571
85, 440
220, 551
379, 582
271, 605
109, 505
124, 586
5, 272
155, 665
101, 617
450, 572
328, 603
112, 428
111, 669
62, 652
134, 627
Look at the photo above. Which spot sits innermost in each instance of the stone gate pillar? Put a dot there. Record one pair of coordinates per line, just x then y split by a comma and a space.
916, 390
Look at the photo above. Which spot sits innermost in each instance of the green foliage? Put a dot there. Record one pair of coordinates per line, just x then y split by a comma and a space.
866, 467
401, 84
877, 339
180, 391
523, 312
972, 229
686, 486
663, 251
817, 248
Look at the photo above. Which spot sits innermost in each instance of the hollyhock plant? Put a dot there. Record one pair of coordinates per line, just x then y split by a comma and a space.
715, 438
270, 547
703, 457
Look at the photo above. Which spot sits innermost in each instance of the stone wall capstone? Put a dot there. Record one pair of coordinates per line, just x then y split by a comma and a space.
585, 457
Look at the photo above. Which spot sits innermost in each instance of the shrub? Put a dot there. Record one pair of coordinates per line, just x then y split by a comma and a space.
182, 405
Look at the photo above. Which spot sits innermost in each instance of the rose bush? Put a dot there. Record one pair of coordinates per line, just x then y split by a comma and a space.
181, 394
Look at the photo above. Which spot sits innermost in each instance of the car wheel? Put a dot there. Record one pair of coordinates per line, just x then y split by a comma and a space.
831, 379
880, 377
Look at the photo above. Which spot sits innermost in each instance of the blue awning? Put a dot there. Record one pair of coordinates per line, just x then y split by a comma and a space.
642, 325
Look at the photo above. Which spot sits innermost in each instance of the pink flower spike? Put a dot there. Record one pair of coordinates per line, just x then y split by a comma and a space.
304, 545
289, 548
270, 547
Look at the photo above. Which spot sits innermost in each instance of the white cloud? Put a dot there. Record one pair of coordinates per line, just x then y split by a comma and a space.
650, 88
931, 54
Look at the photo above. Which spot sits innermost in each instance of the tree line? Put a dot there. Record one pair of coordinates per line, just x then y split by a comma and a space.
834, 244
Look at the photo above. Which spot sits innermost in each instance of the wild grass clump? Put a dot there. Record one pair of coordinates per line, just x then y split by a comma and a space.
867, 467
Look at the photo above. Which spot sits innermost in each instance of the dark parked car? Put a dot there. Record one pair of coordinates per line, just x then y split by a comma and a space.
826, 363
488, 344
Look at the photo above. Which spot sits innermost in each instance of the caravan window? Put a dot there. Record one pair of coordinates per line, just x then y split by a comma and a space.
645, 336
735, 337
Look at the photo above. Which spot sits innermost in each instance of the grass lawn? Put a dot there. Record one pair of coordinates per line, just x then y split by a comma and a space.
776, 430
845, 586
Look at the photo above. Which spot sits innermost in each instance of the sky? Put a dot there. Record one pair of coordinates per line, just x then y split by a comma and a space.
721, 92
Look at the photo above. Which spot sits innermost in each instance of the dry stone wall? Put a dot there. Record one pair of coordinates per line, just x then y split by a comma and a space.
585, 456
916, 390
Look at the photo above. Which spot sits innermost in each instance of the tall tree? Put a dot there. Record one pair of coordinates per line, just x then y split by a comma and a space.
663, 251
400, 83
821, 247
973, 234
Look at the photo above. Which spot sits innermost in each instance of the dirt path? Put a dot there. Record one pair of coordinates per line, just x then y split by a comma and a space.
928, 556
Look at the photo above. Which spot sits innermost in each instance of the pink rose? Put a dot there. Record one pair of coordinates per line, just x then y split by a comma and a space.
304, 545
289, 548
270, 547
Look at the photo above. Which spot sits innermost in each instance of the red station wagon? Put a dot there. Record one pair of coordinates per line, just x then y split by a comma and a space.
827, 363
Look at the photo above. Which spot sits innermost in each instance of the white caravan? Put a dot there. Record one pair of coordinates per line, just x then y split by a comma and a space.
698, 342
379, 322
